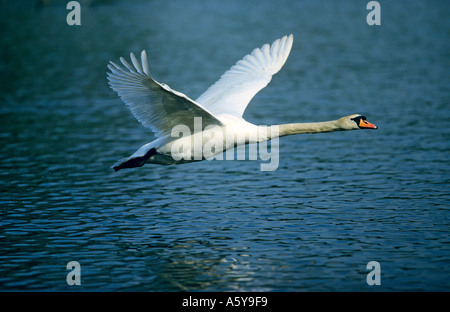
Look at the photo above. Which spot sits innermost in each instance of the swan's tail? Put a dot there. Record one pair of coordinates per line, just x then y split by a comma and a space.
133, 162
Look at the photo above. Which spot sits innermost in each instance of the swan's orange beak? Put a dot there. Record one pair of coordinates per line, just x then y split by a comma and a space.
364, 124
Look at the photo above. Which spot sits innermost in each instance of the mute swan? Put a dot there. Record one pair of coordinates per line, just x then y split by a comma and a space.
156, 106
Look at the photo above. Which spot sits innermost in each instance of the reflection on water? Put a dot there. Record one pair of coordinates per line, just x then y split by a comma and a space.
336, 202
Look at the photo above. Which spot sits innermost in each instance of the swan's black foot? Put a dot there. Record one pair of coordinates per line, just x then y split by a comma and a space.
134, 162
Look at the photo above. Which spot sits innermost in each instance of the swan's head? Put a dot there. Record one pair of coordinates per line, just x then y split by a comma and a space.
354, 122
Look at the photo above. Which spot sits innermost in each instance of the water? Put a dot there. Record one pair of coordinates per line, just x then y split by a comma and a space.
336, 202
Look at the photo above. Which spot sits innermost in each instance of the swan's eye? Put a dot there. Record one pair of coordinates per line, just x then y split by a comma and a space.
359, 120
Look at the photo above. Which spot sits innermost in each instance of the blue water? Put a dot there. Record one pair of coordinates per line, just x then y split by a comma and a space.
336, 202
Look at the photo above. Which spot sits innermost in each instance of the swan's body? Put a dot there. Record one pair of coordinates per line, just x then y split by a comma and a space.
221, 108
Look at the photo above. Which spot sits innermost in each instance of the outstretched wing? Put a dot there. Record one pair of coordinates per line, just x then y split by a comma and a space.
237, 86
153, 104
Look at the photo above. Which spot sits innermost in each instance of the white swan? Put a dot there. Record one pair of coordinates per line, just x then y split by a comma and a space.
156, 106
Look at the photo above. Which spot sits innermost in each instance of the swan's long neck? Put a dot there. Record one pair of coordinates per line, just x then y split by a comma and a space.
311, 127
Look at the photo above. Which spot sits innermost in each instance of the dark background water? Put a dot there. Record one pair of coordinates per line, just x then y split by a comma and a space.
336, 202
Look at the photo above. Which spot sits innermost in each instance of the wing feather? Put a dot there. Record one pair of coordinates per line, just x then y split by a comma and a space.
155, 105
237, 86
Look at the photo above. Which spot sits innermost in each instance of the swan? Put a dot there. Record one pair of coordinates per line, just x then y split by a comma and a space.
219, 109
